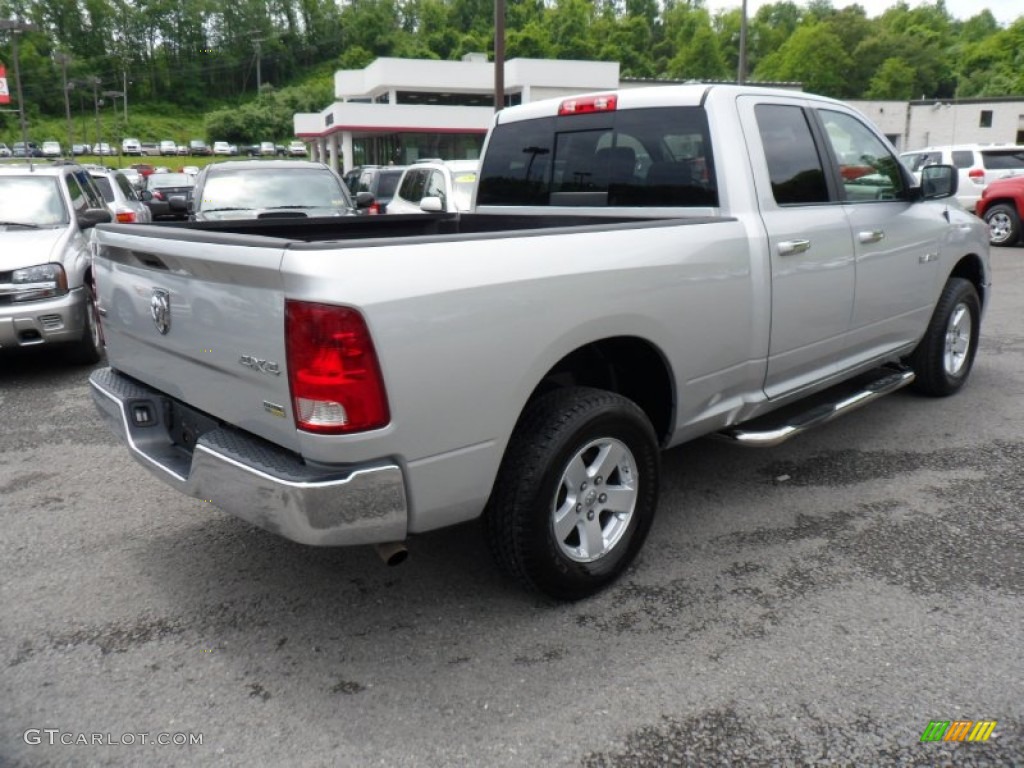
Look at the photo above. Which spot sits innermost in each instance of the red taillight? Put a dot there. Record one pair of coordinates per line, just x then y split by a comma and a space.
333, 371
373, 209
158, 195
976, 173
586, 104
126, 217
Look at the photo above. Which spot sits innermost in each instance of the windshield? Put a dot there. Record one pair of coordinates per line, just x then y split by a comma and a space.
462, 189
31, 200
253, 188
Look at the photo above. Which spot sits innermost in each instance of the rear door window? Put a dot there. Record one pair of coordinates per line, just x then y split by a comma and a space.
795, 169
962, 158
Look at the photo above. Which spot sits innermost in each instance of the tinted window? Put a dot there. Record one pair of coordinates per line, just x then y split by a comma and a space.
104, 186
78, 199
125, 185
413, 186
963, 158
1003, 159
867, 169
92, 195
636, 157
795, 169
386, 183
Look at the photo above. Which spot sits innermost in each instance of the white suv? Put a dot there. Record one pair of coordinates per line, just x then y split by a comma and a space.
978, 165
435, 187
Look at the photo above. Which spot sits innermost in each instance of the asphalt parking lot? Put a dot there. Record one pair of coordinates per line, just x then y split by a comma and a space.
819, 603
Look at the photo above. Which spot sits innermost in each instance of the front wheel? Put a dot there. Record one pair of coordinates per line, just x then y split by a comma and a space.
89, 348
944, 357
1003, 225
576, 492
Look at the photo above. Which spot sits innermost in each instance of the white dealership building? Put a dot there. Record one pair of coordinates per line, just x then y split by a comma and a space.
402, 110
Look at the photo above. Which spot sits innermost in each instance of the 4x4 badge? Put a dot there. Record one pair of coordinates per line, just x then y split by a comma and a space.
160, 309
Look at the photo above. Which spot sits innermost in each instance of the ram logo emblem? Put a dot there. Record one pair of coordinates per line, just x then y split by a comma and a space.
160, 310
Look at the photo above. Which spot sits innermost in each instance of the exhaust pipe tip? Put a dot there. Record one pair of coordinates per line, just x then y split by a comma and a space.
392, 553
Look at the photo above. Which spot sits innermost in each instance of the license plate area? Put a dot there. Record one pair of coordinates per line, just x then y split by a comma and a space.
185, 425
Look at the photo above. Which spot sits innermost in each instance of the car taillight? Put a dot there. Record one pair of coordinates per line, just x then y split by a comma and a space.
373, 209
977, 175
587, 104
126, 217
158, 195
333, 371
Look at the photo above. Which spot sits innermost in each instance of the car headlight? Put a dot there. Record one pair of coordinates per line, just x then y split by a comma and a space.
43, 281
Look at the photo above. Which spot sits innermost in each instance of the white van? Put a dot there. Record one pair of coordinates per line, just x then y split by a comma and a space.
978, 164
131, 147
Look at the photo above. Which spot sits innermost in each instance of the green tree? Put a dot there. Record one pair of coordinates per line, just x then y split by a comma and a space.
813, 56
895, 79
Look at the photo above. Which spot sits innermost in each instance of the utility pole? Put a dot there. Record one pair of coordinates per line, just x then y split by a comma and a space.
124, 80
499, 55
741, 70
113, 95
16, 28
63, 59
95, 82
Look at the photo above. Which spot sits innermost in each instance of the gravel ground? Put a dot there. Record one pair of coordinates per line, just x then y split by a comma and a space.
815, 604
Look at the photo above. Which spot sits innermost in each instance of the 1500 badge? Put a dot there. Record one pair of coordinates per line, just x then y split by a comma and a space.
263, 366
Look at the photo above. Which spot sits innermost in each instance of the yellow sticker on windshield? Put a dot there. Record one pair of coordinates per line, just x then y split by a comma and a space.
465, 178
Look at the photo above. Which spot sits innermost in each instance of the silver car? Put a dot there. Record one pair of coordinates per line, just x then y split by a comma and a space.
46, 288
120, 196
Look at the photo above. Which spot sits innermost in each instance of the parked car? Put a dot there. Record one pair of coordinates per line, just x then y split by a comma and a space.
131, 147
979, 164
120, 196
351, 176
52, 149
168, 147
1002, 207
20, 149
297, 149
46, 259
144, 169
435, 186
160, 187
5, 151
104, 150
221, 148
135, 178
150, 149
77, 150
182, 150
267, 148
381, 182
255, 189
199, 148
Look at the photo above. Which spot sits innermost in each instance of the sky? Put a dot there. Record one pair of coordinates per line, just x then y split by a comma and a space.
1005, 11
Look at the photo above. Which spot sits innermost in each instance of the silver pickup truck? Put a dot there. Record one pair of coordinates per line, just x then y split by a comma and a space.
640, 268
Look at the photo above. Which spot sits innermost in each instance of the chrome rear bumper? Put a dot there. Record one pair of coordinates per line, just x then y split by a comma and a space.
254, 479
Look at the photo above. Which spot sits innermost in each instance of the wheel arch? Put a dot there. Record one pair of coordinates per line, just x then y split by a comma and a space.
628, 365
972, 269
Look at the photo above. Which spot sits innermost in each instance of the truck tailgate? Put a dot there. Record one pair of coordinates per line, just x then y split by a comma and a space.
200, 318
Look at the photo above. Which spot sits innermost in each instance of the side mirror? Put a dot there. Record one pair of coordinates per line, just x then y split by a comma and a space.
939, 181
145, 195
90, 217
432, 205
364, 199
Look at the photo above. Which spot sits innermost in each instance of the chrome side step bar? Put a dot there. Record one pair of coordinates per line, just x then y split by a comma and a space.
816, 416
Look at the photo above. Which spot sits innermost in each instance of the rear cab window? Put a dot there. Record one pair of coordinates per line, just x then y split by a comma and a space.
650, 157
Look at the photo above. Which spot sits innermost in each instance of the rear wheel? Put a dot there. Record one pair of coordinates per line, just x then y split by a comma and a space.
1003, 225
576, 492
944, 357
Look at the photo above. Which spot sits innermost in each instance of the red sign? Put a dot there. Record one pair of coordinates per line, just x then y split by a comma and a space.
5, 95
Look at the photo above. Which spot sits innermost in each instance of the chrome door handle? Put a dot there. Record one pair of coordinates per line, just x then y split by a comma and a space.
789, 247
871, 236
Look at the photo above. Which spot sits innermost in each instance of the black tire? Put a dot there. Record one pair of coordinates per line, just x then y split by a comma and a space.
564, 436
1003, 225
88, 350
944, 357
